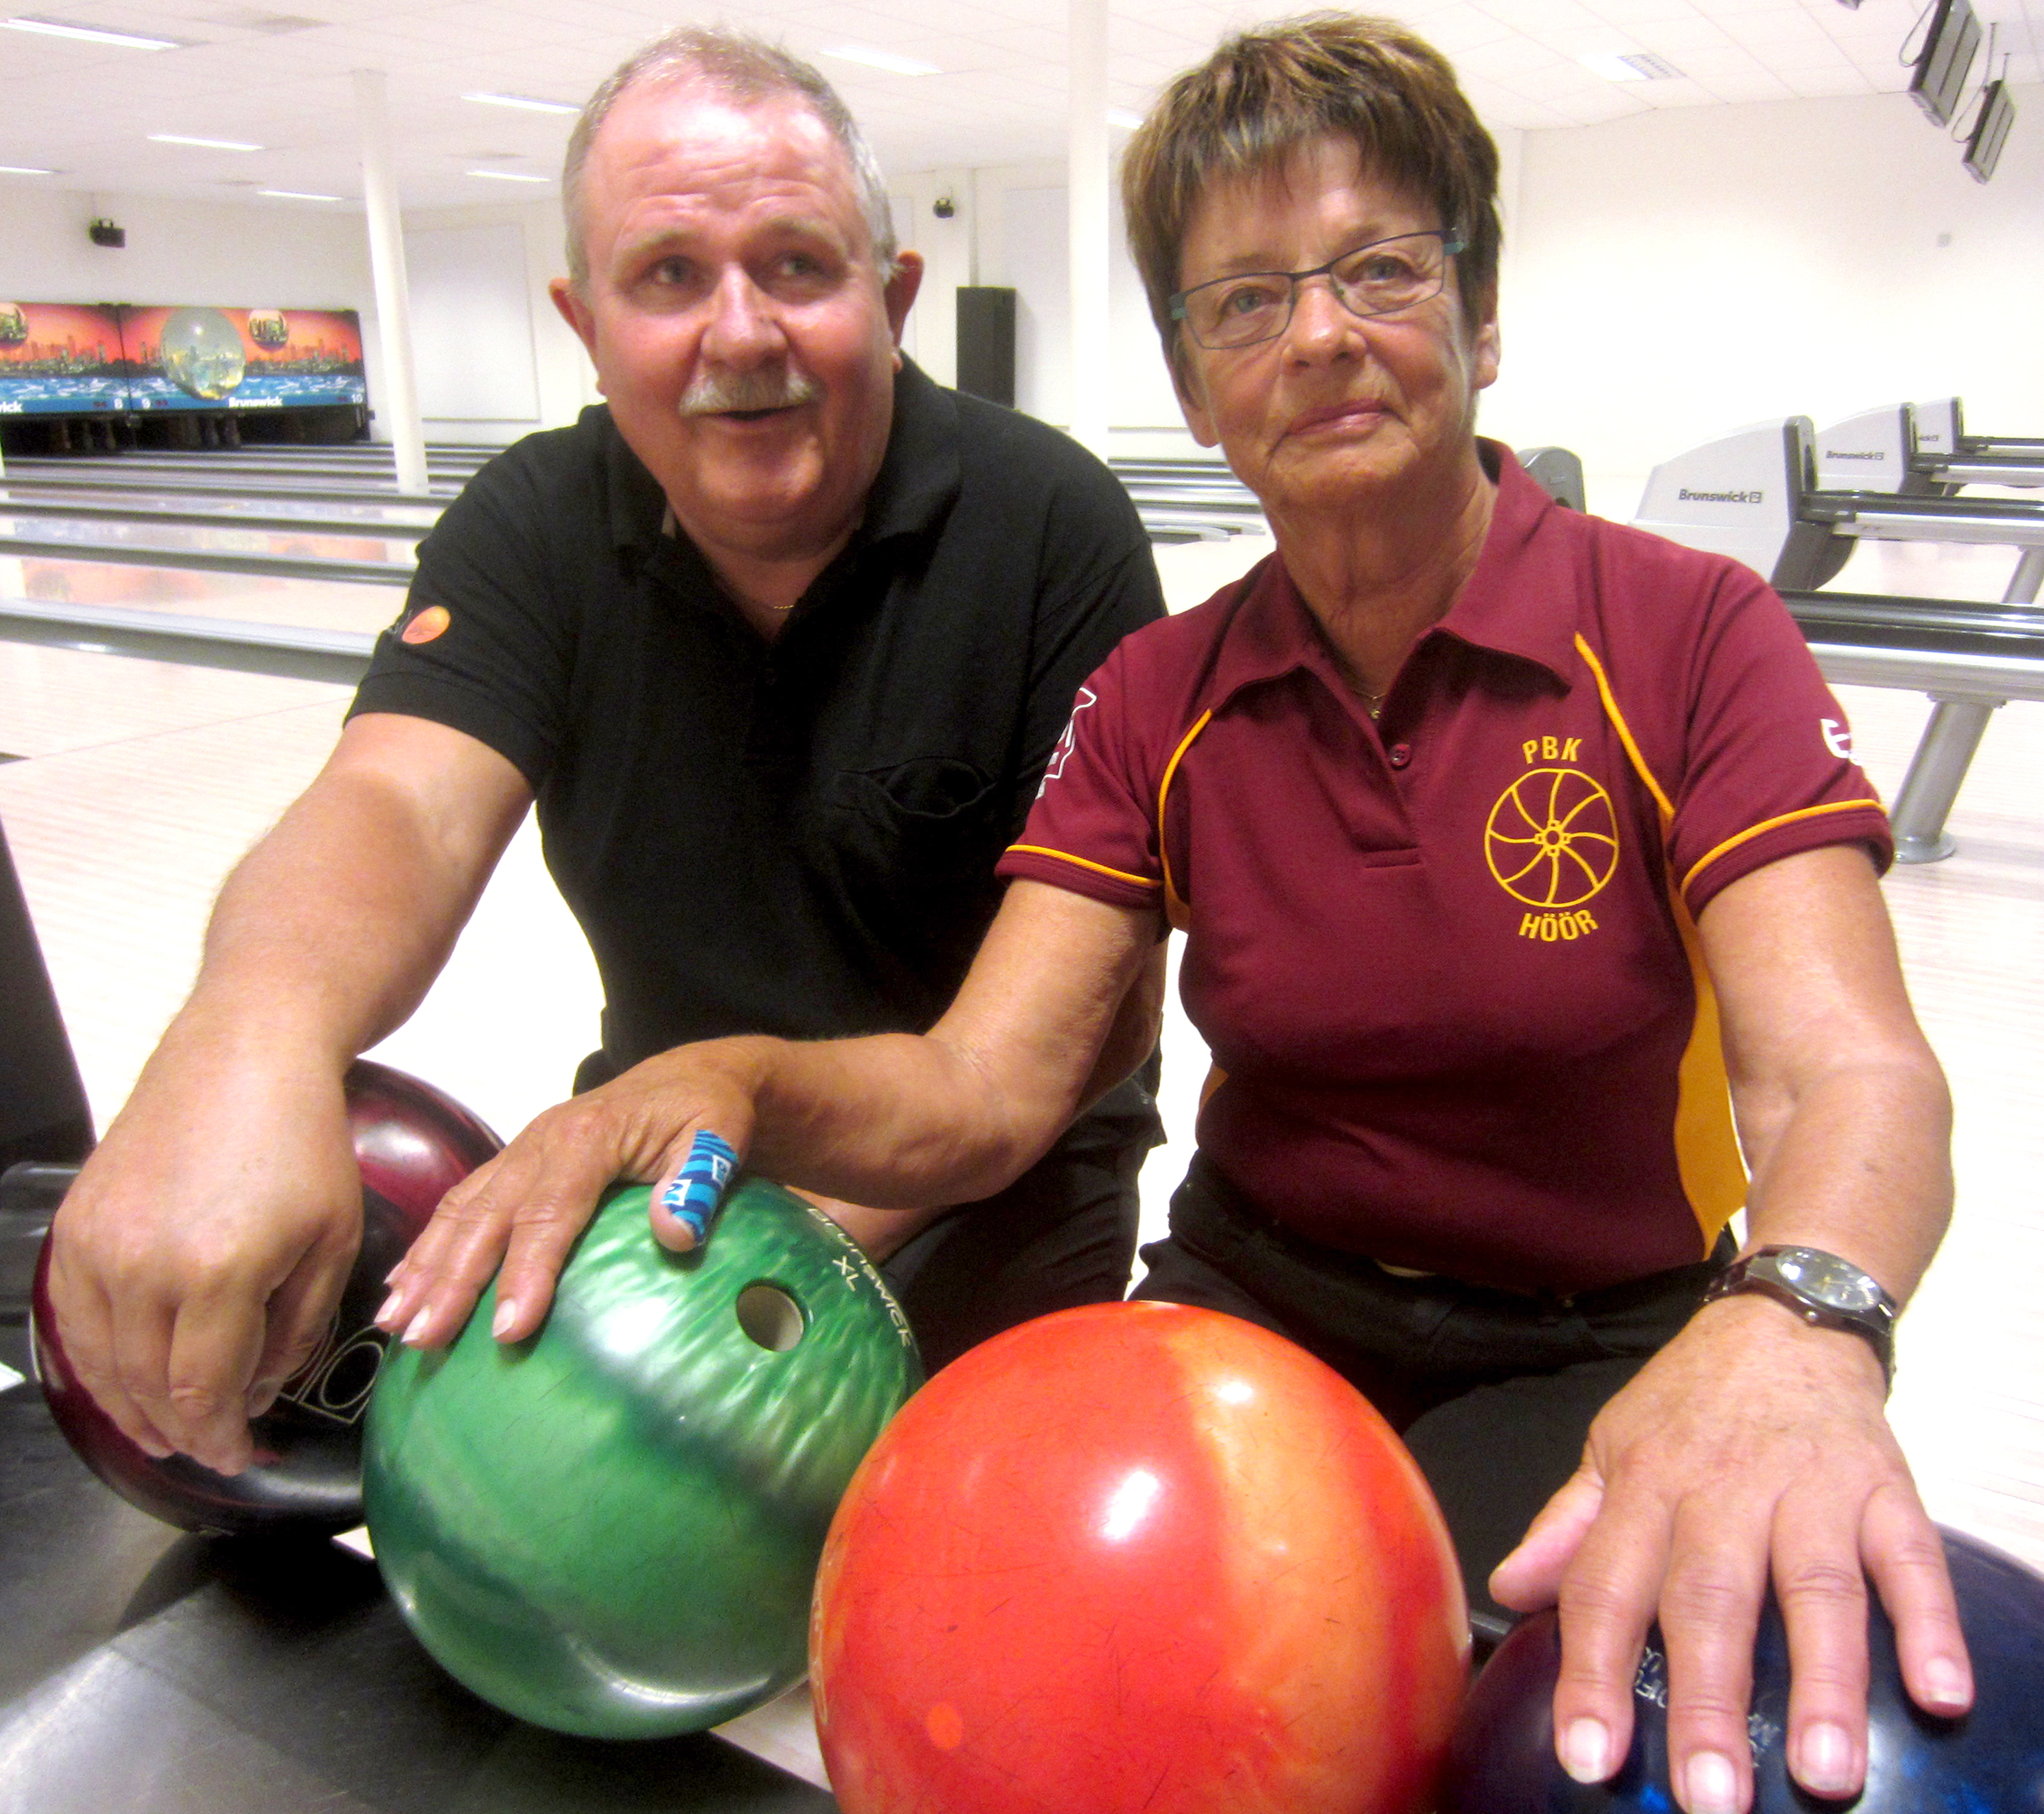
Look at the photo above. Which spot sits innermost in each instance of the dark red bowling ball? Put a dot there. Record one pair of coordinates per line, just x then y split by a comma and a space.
1992, 1761
412, 1144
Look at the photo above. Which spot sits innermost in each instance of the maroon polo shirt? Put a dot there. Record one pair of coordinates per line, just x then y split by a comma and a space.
1447, 963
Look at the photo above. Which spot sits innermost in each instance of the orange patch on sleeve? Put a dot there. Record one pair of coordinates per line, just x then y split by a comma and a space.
430, 622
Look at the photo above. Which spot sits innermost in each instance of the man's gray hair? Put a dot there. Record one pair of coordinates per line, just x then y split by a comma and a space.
747, 69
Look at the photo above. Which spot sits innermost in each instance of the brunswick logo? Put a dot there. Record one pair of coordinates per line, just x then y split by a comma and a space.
1552, 838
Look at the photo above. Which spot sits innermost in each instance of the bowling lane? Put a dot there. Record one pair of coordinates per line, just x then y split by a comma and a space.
82, 504
278, 600
138, 542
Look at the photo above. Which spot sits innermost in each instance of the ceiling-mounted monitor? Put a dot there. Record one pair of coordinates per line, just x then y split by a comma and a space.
1941, 67
1990, 131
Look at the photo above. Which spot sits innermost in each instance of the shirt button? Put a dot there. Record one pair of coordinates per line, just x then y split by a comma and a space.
1399, 754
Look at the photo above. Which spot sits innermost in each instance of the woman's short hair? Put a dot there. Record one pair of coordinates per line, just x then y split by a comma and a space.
1267, 91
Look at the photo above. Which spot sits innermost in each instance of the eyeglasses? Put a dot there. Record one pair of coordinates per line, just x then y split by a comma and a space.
1379, 279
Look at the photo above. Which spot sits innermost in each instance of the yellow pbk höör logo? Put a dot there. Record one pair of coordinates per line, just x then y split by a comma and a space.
1552, 838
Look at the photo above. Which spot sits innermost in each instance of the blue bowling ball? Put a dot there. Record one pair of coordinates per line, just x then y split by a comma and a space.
1992, 1761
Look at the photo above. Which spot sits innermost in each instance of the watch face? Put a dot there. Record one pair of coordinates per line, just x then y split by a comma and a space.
1828, 1279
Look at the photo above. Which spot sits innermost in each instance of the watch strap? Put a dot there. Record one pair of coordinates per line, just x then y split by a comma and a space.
1760, 1272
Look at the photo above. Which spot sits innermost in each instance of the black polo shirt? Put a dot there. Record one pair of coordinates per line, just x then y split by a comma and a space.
797, 837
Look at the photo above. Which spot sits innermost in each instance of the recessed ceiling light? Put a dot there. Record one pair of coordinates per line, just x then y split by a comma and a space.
204, 144
883, 60
530, 103
23, 171
508, 176
1122, 117
1639, 66
298, 195
90, 34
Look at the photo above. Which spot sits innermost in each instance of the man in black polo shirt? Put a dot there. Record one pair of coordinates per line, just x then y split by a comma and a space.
779, 643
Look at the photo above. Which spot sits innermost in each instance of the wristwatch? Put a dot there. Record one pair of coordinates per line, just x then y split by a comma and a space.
1821, 1288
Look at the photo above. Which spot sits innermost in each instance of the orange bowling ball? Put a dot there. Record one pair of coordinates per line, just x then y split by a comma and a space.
1137, 1557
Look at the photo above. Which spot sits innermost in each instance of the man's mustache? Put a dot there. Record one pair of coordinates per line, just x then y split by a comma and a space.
731, 393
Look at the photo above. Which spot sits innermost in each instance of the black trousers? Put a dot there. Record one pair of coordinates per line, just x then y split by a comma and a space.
1493, 1391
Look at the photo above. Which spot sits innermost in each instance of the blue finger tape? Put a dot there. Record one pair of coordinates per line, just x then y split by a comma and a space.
695, 1195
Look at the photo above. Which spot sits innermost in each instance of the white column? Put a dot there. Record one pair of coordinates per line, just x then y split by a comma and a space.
400, 399
1091, 220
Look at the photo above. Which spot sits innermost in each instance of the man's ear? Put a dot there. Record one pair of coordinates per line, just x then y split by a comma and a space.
576, 311
901, 290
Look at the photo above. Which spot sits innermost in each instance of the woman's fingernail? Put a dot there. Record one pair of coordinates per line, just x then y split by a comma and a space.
1946, 1682
262, 1395
1824, 1760
1586, 1750
506, 1315
385, 1319
415, 1328
1710, 1785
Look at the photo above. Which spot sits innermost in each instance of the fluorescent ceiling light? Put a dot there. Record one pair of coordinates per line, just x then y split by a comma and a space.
90, 34
204, 144
883, 60
1122, 117
23, 171
1639, 66
298, 195
508, 176
530, 103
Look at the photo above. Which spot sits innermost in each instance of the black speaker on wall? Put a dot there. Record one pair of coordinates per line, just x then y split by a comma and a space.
986, 342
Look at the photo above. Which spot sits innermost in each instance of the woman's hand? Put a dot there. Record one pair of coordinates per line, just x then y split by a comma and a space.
1753, 1448
523, 1210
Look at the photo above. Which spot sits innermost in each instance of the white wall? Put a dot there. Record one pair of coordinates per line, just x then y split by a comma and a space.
1024, 241
495, 359
1685, 272
234, 254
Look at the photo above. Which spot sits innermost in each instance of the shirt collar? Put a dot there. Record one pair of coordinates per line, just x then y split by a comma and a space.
1508, 607
917, 479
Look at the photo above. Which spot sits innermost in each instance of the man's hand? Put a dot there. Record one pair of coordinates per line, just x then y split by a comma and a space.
1752, 1448
197, 1260
522, 1211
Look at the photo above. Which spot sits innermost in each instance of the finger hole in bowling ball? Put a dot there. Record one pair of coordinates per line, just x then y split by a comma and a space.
771, 1318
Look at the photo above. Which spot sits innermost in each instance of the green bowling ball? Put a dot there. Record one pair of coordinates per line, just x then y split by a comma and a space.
613, 1528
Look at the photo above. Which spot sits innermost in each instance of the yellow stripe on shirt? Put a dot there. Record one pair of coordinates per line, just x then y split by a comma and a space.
1623, 729
1083, 862
1708, 1161
1175, 909
1733, 842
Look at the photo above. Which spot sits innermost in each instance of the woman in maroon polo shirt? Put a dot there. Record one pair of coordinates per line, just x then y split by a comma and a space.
1517, 851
